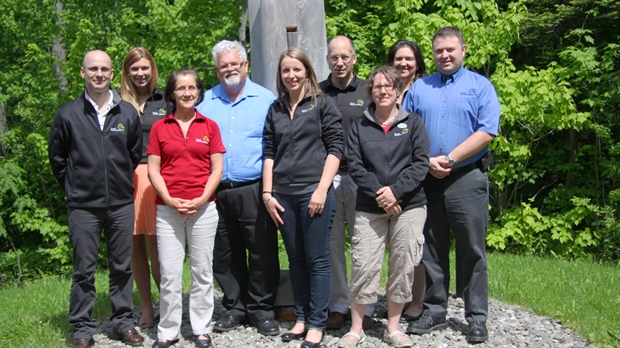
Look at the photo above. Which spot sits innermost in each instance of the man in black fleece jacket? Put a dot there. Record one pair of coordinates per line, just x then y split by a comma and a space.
95, 144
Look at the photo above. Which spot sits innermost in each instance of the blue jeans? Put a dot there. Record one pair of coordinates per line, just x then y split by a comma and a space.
307, 245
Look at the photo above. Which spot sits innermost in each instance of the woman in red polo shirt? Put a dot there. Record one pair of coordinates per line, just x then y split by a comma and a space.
185, 167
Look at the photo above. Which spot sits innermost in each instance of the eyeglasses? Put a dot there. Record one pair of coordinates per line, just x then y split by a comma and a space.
345, 58
231, 66
95, 69
388, 88
190, 89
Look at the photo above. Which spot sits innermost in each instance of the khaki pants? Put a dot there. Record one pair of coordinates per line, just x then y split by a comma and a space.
403, 234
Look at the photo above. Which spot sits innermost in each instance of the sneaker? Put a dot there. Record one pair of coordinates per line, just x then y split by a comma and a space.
477, 332
426, 324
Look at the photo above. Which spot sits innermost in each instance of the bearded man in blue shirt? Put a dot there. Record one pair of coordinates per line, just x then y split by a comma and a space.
461, 112
245, 256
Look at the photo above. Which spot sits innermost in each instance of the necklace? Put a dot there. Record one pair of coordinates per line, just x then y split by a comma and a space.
388, 122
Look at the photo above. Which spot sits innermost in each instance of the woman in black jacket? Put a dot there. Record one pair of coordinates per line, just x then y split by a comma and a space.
388, 159
303, 147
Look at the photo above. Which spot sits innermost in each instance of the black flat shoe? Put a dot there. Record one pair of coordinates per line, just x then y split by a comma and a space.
163, 344
290, 336
308, 344
204, 342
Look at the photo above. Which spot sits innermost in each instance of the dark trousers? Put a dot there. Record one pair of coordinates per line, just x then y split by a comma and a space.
85, 225
457, 203
307, 245
245, 259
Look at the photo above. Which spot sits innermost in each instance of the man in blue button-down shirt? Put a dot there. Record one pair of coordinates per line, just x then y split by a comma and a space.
245, 259
461, 112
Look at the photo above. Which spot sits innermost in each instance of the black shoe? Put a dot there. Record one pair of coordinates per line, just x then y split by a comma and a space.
308, 344
406, 318
426, 324
163, 344
226, 323
202, 343
268, 327
477, 332
290, 336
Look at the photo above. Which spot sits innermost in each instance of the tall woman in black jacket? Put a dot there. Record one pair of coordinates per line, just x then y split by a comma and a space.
303, 147
388, 159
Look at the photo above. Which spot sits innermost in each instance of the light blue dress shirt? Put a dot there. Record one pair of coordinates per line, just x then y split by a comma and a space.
453, 108
241, 125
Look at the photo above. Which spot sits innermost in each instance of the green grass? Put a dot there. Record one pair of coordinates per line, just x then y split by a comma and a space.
585, 296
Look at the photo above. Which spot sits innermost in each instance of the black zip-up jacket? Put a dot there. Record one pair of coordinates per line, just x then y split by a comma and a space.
95, 167
398, 159
299, 146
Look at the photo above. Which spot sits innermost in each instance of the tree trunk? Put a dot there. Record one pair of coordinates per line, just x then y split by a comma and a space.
244, 22
58, 49
3, 128
572, 140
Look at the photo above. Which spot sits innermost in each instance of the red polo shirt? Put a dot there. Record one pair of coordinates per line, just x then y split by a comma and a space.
185, 161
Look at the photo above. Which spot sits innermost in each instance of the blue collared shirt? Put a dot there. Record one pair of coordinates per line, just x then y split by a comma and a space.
241, 125
453, 108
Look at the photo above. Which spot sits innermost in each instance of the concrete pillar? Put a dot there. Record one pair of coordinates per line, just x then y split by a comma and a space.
276, 25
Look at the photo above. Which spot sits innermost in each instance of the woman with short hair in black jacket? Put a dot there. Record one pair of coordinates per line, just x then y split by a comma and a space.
388, 159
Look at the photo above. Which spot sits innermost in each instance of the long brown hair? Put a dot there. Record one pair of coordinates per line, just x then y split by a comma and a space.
311, 85
128, 89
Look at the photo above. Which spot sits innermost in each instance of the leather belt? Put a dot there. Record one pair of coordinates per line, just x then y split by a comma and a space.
229, 185
467, 168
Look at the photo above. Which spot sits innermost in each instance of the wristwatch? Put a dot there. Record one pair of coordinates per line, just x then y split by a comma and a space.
450, 160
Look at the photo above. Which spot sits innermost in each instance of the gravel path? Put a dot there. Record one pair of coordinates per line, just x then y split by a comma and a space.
509, 326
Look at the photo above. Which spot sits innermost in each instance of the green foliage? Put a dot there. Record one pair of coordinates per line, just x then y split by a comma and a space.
555, 66
38, 78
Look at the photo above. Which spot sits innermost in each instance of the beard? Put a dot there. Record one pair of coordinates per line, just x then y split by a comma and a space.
232, 80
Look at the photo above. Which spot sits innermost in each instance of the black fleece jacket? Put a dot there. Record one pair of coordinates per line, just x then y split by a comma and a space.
95, 167
398, 159
299, 146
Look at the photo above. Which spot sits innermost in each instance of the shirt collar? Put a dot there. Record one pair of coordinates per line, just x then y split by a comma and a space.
110, 100
454, 77
249, 90
353, 84
170, 117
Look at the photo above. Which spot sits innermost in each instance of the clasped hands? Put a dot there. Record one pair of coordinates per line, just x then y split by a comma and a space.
438, 167
386, 200
186, 207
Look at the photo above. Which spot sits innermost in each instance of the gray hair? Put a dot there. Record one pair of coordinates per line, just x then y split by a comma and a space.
225, 46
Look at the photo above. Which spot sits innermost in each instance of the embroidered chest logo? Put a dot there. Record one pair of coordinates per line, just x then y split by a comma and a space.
306, 110
403, 129
204, 140
119, 128
359, 102
472, 91
159, 112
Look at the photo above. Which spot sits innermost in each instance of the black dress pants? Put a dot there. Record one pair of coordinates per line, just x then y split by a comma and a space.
85, 226
245, 259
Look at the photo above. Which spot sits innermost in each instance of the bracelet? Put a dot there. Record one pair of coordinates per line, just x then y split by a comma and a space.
269, 192
268, 199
